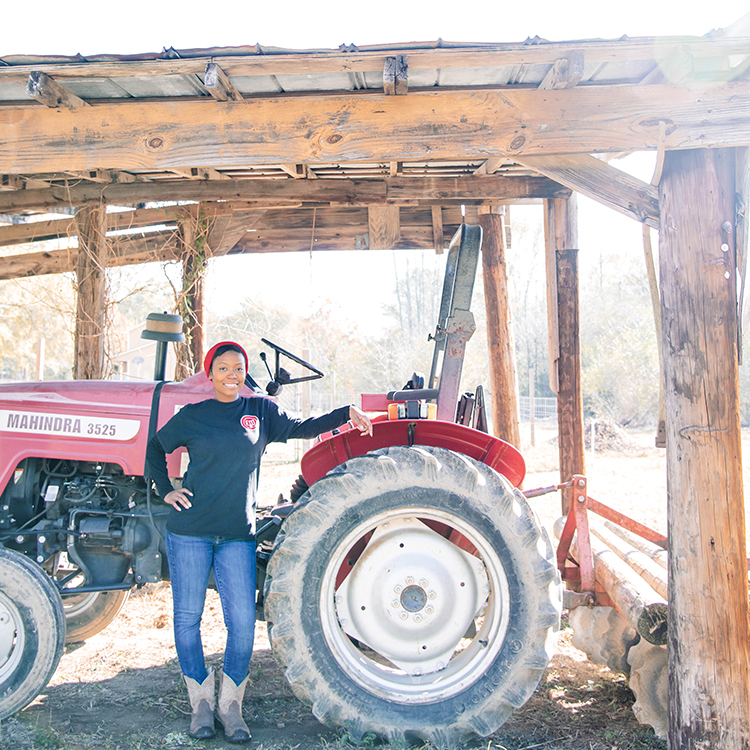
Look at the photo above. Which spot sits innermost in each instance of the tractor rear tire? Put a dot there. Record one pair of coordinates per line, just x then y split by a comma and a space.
413, 595
32, 631
89, 614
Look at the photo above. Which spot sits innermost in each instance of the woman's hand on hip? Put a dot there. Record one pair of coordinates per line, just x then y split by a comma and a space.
178, 499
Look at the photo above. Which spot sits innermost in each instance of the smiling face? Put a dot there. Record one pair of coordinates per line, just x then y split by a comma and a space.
228, 375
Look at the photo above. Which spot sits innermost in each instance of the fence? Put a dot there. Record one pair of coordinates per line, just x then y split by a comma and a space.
545, 409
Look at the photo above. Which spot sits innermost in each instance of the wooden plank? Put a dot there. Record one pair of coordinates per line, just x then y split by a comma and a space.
389, 76
218, 84
709, 649
402, 75
503, 377
226, 231
565, 73
315, 62
52, 94
397, 190
276, 218
373, 127
91, 295
438, 232
602, 182
562, 225
163, 246
384, 227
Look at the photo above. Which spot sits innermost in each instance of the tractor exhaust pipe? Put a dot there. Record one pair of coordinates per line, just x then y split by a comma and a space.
162, 328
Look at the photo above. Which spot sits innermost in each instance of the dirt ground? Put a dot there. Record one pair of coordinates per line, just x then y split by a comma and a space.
121, 690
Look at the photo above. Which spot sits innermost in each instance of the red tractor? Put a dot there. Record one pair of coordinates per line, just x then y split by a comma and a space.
409, 590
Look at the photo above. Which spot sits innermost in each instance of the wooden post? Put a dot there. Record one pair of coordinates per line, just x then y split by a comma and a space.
503, 385
91, 265
709, 649
191, 306
561, 231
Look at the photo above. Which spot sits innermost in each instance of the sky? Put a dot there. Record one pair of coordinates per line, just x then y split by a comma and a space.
88, 27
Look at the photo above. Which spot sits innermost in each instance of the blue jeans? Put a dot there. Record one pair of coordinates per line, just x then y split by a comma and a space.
190, 560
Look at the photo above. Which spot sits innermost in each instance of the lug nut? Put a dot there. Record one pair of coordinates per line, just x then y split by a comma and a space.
429, 609
423, 583
403, 615
409, 580
394, 604
397, 588
417, 618
431, 594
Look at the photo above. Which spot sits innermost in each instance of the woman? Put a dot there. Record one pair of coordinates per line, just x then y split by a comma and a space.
212, 524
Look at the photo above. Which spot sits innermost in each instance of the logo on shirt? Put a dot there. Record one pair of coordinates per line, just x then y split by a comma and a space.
251, 426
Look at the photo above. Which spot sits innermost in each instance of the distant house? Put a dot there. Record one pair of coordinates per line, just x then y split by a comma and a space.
137, 361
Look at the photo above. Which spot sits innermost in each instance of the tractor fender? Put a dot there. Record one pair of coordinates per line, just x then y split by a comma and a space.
334, 448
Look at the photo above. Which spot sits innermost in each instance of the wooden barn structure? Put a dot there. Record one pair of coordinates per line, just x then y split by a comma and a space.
379, 147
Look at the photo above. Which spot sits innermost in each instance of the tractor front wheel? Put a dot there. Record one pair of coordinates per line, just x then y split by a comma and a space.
32, 631
413, 595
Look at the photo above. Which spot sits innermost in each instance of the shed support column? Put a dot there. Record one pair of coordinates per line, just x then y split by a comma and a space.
709, 649
192, 302
89, 359
561, 231
503, 378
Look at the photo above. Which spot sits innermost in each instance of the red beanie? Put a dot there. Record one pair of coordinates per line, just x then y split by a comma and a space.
208, 361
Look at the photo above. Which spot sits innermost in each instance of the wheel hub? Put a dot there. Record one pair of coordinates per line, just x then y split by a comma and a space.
413, 598
412, 595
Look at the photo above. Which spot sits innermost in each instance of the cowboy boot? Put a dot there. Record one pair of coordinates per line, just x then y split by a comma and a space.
202, 703
229, 710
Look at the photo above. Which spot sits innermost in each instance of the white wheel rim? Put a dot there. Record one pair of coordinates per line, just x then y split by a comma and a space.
412, 655
12, 637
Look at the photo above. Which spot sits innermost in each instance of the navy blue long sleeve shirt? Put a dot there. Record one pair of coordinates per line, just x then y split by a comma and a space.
225, 442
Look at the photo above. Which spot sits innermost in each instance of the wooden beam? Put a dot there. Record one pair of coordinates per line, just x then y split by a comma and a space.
222, 218
492, 165
51, 93
365, 127
91, 295
293, 170
218, 84
163, 246
226, 231
602, 182
438, 233
17, 182
503, 377
122, 251
673, 68
384, 227
200, 173
306, 63
403, 190
561, 228
565, 72
708, 646
396, 75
